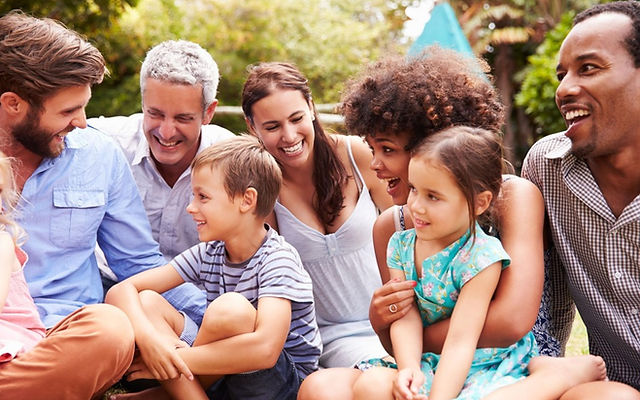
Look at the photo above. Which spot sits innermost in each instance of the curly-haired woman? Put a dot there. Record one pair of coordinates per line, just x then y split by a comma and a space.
395, 103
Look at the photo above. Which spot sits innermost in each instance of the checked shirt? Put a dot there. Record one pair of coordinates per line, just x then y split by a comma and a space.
599, 257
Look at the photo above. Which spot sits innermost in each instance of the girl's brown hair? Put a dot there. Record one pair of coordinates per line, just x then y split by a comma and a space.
474, 157
329, 175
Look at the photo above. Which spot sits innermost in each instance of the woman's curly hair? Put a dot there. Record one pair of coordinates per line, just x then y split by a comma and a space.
421, 95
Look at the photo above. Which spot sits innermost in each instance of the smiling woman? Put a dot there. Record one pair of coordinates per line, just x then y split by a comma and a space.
390, 162
326, 207
395, 103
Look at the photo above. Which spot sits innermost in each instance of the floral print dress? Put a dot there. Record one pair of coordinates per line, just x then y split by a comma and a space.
443, 276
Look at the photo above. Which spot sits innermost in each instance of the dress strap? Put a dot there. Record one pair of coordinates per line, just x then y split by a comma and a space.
398, 218
354, 167
21, 255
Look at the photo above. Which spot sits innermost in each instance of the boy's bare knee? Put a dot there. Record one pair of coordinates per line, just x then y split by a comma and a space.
150, 299
231, 311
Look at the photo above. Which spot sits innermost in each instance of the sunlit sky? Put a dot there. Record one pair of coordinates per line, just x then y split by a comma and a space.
419, 15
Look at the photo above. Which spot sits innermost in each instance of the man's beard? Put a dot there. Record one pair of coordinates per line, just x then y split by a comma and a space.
34, 138
587, 148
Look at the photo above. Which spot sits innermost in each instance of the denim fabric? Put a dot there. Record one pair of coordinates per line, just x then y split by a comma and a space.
278, 383
189, 331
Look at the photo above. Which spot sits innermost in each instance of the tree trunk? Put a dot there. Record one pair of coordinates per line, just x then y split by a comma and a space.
504, 68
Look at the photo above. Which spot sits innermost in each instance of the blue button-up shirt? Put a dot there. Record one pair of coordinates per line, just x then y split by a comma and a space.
86, 194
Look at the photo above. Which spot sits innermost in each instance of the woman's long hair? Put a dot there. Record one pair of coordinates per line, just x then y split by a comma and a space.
329, 175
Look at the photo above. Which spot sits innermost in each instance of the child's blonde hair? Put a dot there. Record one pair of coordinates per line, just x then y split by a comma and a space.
244, 163
10, 198
474, 157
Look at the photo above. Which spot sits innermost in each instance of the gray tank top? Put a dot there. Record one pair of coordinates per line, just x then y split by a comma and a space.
342, 265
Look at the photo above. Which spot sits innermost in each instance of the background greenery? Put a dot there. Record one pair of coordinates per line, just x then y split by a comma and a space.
578, 343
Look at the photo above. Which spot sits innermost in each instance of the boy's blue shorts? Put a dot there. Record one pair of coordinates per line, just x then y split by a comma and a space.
278, 383
189, 331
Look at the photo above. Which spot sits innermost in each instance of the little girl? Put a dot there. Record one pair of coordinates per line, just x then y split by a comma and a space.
453, 177
20, 324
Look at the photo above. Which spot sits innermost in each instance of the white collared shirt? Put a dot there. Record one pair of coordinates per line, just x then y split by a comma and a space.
172, 227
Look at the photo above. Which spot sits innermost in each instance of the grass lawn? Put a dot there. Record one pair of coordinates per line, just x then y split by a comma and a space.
578, 343
114, 390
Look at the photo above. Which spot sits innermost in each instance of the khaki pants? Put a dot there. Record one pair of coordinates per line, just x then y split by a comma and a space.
80, 358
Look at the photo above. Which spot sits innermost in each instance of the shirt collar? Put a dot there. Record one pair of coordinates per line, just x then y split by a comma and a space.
142, 151
563, 149
76, 139
562, 152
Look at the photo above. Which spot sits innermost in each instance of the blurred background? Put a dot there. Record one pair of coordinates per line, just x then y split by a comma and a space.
330, 40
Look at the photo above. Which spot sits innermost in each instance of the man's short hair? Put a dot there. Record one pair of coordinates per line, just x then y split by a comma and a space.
244, 163
182, 62
38, 57
629, 8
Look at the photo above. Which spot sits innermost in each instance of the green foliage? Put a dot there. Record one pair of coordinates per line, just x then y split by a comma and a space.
98, 20
85, 16
123, 46
329, 40
537, 93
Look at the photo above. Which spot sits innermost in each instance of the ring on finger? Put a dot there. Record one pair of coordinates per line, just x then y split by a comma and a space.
393, 308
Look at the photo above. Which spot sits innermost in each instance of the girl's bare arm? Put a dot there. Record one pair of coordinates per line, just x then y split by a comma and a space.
516, 302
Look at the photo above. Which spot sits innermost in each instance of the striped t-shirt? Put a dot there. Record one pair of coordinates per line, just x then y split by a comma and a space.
275, 270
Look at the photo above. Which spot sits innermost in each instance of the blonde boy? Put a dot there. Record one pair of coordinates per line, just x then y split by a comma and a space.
259, 336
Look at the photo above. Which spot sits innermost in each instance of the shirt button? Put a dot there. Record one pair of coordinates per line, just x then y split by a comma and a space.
634, 311
617, 275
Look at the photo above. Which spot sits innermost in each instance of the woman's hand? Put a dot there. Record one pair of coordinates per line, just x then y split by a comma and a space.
390, 302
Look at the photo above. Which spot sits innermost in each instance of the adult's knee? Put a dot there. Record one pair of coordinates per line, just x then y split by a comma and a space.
601, 390
111, 331
375, 383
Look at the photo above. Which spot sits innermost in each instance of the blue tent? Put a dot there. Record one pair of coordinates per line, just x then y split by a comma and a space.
442, 28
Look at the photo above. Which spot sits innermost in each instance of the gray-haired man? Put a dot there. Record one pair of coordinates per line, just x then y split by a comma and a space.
178, 81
